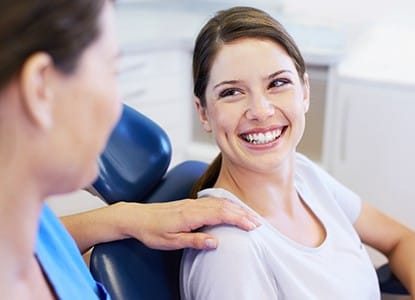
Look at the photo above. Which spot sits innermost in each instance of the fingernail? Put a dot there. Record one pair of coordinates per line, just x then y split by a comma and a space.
257, 223
251, 225
211, 243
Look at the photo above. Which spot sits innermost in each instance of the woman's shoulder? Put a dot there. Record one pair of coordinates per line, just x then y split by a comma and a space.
211, 274
235, 248
230, 236
234, 243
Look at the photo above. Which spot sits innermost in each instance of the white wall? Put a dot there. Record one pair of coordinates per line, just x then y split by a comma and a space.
347, 12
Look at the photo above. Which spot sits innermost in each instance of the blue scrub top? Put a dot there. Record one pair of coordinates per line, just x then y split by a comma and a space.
62, 262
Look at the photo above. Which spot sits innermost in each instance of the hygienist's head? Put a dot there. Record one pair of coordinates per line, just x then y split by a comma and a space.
58, 93
251, 88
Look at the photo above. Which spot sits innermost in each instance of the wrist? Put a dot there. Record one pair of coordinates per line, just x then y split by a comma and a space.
125, 219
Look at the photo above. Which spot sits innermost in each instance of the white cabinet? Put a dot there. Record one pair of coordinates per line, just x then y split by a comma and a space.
369, 128
370, 145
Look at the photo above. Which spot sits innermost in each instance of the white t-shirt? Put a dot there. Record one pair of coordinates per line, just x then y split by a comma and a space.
265, 264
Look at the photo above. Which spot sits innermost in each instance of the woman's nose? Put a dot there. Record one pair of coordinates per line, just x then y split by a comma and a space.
259, 108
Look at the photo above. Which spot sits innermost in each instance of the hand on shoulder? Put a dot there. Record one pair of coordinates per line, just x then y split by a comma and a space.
171, 225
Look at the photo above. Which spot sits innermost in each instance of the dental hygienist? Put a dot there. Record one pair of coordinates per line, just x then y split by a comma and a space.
58, 89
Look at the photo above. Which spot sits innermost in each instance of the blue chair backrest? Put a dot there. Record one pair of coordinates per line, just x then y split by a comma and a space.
133, 168
136, 157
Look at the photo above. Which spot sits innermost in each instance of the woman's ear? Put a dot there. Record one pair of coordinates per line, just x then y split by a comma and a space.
306, 92
36, 89
202, 115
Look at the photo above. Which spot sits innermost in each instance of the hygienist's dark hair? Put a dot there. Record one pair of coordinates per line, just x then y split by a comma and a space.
225, 27
61, 28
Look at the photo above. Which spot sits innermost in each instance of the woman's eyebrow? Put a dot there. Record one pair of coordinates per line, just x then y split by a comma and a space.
225, 82
275, 74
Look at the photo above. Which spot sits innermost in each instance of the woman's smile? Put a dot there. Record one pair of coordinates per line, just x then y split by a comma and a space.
262, 136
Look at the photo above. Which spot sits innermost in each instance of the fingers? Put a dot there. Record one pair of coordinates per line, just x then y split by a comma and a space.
222, 211
169, 225
196, 240
174, 241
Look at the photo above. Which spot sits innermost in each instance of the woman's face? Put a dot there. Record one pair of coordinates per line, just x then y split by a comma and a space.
87, 105
255, 104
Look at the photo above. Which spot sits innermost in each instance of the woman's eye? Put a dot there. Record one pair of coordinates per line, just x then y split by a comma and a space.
279, 82
228, 93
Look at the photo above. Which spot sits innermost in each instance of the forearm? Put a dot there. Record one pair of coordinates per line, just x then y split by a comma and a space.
158, 225
95, 226
402, 262
391, 238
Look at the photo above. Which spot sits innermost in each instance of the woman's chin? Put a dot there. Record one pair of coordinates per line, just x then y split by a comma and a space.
93, 175
86, 178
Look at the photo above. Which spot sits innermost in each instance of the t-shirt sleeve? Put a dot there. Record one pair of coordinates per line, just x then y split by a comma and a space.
234, 271
348, 201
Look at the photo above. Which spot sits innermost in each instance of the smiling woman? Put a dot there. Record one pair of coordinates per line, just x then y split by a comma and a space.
252, 93
259, 30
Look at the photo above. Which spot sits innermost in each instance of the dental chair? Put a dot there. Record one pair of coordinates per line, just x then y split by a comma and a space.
133, 167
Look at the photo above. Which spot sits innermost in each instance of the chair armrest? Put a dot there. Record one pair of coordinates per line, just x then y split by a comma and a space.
388, 281
130, 270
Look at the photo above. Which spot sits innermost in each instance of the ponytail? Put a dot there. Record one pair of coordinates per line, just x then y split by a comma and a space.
208, 179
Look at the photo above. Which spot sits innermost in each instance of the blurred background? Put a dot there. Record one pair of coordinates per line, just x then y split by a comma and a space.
360, 58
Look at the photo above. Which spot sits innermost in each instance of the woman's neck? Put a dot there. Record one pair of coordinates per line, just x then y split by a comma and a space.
266, 192
20, 207
21, 200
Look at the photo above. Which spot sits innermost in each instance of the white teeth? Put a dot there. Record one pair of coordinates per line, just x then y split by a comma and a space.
262, 138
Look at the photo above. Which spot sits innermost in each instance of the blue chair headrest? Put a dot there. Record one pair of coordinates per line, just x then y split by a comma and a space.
136, 157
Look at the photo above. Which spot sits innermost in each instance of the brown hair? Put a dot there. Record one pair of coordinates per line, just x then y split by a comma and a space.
61, 28
227, 26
